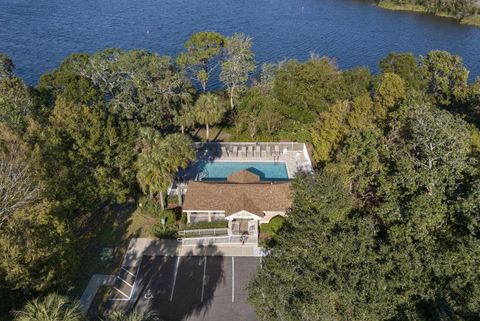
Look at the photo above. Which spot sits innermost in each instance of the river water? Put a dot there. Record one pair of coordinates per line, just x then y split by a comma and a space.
39, 34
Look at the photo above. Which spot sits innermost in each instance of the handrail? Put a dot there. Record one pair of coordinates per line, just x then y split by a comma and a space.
215, 231
218, 240
289, 146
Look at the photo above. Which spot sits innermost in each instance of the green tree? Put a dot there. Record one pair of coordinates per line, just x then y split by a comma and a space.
90, 152
152, 175
138, 85
406, 66
238, 64
446, 76
436, 150
37, 249
133, 316
360, 161
334, 124
18, 185
328, 131
53, 307
257, 113
159, 160
180, 151
68, 80
354, 82
6, 67
393, 236
389, 90
16, 103
204, 50
209, 110
185, 118
306, 89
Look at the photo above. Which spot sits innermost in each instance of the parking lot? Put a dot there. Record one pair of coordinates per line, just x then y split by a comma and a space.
195, 287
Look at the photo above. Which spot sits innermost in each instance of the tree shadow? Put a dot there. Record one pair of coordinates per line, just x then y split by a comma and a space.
205, 154
175, 287
106, 230
215, 139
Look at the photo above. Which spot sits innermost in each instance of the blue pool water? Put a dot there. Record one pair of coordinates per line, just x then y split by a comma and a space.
221, 170
39, 34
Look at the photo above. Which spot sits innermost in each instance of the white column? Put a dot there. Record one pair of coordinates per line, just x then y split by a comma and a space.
188, 217
209, 216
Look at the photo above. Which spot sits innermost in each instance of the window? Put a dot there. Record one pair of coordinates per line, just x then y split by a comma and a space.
218, 216
198, 217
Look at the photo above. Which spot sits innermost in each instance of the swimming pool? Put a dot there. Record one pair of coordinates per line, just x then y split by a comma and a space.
267, 171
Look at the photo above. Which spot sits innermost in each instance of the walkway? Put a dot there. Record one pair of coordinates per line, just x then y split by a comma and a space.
94, 284
154, 247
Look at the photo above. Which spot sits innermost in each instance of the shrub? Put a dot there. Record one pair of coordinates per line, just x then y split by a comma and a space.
205, 225
170, 229
172, 200
149, 207
169, 217
167, 232
183, 218
272, 227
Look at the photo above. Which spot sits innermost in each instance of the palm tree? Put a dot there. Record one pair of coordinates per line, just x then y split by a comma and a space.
133, 316
185, 118
180, 151
209, 110
53, 307
152, 177
160, 159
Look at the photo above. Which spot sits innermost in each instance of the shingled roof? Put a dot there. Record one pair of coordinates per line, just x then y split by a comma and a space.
233, 197
243, 176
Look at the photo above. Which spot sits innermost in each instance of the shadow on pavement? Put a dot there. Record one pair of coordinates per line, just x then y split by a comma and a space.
175, 287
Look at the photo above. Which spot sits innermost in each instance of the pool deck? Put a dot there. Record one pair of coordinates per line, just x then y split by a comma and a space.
292, 160
295, 158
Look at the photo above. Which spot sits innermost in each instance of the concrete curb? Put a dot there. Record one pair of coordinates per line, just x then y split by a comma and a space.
96, 281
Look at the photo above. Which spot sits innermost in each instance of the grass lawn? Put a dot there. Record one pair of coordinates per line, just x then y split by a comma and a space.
114, 229
217, 133
403, 7
468, 20
471, 20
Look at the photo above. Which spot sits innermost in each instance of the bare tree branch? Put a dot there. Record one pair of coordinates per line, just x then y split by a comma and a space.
18, 188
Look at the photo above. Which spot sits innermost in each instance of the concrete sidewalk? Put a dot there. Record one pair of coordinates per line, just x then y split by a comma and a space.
96, 281
139, 247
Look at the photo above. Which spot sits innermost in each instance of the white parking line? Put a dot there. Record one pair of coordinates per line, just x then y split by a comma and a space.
233, 278
174, 277
204, 270
139, 264
121, 292
127, 271
130, 285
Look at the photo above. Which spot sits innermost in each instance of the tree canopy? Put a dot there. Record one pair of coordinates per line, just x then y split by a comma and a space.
385, 228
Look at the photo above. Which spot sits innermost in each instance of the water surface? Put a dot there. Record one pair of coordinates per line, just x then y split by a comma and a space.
39, 34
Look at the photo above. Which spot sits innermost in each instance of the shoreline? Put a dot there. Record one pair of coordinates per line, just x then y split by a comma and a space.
468, 20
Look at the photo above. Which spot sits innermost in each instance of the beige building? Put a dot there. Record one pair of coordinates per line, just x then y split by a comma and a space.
243, 200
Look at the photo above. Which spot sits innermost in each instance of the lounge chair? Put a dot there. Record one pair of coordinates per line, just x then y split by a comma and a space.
264, 152
243, 152
257, 151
